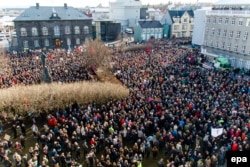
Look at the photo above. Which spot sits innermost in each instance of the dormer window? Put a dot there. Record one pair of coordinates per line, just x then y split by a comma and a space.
54, 14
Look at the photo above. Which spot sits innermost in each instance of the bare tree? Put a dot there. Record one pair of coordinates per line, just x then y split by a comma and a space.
96, 55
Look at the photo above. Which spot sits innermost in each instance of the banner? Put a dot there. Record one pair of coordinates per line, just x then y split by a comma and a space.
215, 132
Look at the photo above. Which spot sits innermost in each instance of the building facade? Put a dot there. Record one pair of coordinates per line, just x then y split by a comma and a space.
147, 29
126, 12
51, 27
181, 22
199, 26
227, 31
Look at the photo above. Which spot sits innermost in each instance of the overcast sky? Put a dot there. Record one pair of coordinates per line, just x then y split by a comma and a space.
81, 3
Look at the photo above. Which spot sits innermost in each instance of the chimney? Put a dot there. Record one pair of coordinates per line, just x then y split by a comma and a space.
37, 5
65, 6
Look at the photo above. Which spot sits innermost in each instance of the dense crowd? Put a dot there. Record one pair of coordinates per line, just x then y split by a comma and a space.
168, 116
25, 68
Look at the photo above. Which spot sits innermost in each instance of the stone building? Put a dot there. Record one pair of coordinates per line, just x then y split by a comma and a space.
52, 27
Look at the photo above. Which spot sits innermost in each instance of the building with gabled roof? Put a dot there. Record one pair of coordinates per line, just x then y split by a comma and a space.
52, 27
181, 22
147, 29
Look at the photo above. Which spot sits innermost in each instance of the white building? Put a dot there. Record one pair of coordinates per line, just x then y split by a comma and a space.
226, 33
126, 12
199, 26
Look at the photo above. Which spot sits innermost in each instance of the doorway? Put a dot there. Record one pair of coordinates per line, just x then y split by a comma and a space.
57, 43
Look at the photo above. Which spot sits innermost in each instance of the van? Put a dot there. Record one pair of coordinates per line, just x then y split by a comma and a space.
129, 31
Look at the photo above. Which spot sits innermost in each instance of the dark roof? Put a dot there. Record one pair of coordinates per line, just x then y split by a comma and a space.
35, 13
179, 13
150, 24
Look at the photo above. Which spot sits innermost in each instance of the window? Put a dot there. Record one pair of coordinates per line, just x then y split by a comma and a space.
191, 27
216, 44
211, 43
184, 27
220, 20
245, 35
25, 44
77, 30
46, 42
224, 33
34, 31
176, 27
148, 30
36, 43
152, 30
68, 41
86, 30
238, 34
45, 31
144, 31
243, 49
212, 33
223, 45
236, 48
23, 32
240, 22
208, 19
78, 41
218, 32
233, 20
207, 30
56, 30
214, 20
231, 34
183, 34
229, 46
226, 20
185, 20
67, 29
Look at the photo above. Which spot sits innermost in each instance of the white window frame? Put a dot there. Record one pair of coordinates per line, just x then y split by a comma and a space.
77, 29
238, 34
56, 30
67, 30
245, 35
23, 32
34, 31
36, 43
86, 29
78, 41
26, 44
233, 21
46, 42
45, 31
231, 34
68, 41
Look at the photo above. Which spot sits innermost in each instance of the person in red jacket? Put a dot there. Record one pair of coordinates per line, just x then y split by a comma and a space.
234, 146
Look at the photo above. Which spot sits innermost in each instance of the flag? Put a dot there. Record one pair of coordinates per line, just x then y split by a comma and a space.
215, 132
50, 56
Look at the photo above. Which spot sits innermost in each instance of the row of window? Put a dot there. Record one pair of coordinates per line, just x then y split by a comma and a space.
183, 27
46, 43
152, 30
45, 31
227, 46
227, 21
226, 33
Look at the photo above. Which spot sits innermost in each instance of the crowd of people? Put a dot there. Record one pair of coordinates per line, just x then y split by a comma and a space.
25, 68
172, 107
